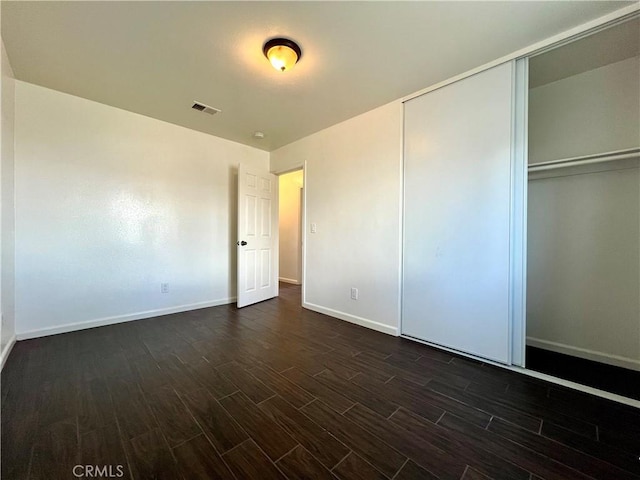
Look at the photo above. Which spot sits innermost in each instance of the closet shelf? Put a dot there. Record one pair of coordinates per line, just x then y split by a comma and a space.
585, 160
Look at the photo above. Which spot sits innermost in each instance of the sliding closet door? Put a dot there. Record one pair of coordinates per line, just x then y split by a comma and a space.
457, 221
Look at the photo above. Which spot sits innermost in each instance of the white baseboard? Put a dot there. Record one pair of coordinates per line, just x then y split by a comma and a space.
70, 327
585, 353
289, 280
364, 322
4, 354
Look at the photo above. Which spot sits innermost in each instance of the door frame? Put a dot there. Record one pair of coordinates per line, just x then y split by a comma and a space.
303, 216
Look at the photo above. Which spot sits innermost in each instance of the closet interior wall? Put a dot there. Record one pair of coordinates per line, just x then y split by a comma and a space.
583, 260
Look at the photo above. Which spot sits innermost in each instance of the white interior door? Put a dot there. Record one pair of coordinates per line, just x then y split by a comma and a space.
457, 215
257, 236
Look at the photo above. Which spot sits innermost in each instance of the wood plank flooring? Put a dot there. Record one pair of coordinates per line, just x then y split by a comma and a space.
273, 391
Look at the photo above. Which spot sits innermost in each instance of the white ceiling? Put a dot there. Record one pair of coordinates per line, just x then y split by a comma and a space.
155, 58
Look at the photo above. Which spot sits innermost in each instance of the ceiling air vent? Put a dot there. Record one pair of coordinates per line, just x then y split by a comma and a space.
201, 107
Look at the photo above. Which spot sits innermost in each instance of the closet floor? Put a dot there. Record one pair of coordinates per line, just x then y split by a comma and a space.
273, 391
594, 374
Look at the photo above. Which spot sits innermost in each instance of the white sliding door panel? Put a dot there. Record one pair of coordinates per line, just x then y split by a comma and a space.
257, 236
457, 201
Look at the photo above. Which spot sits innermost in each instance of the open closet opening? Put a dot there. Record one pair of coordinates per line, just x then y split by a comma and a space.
291, 186
583, 246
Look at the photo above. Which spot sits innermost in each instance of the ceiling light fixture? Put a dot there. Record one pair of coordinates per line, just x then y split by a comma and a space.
282, 53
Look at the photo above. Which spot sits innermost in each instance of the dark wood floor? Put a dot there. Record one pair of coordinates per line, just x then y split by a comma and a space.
273, 391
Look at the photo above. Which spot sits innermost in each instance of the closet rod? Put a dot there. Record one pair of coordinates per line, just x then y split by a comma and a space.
585, 160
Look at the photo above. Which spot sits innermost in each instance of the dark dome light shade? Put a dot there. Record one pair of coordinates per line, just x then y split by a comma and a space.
282, 53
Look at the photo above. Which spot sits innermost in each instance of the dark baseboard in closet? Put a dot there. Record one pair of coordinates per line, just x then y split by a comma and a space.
622, 381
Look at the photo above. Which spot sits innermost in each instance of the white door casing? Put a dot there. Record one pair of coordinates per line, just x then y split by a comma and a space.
257, 236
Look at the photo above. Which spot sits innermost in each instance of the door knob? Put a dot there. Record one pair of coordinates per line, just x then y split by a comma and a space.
242, 243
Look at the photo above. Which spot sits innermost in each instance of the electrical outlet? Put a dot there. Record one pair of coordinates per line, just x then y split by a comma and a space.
354, 293
314, 228
164, 288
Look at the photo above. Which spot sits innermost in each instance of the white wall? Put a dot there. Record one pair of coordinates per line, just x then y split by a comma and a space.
109, 205
290, 185
594, 112
7, 241
352, 187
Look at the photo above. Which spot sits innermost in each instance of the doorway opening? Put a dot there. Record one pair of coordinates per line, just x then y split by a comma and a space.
290, 230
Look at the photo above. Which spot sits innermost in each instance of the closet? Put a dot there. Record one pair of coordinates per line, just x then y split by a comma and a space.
583, 282
521, 212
